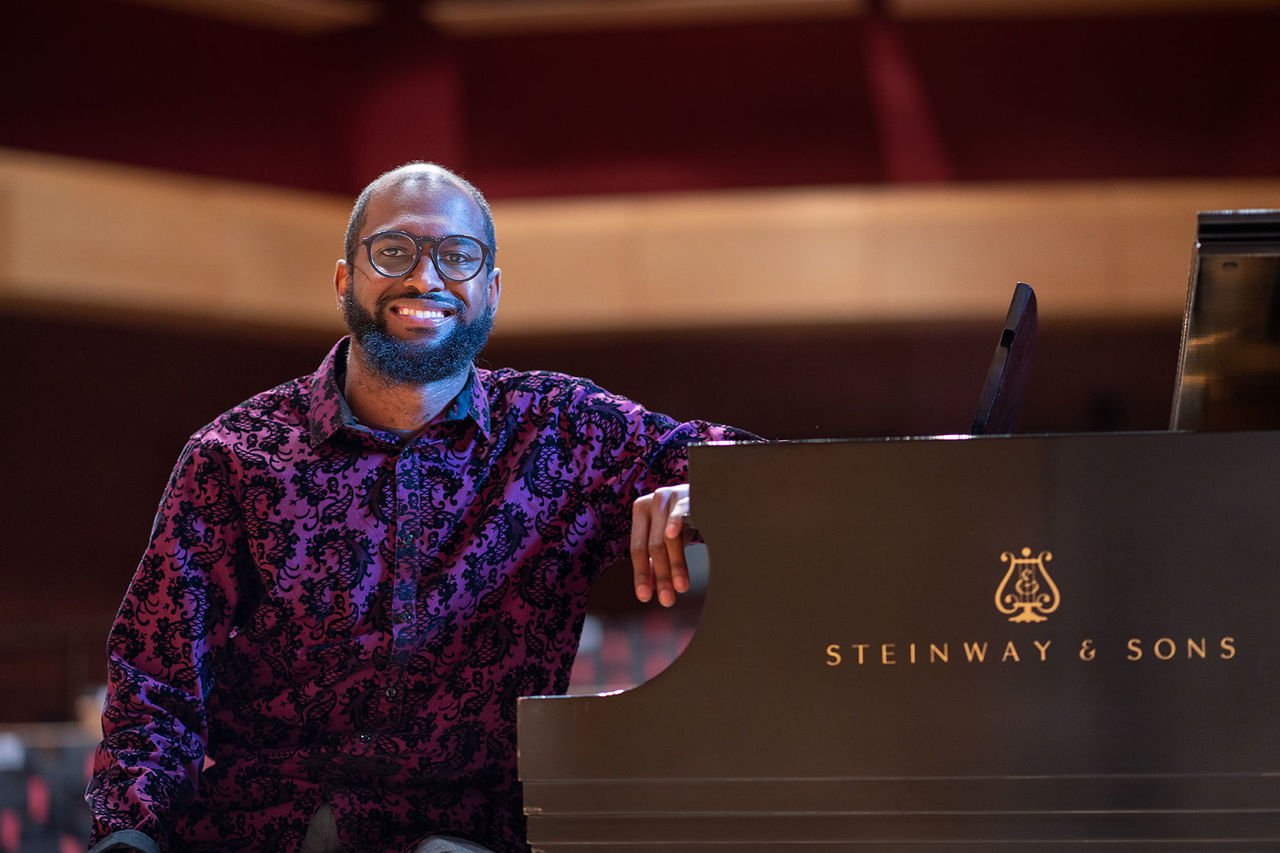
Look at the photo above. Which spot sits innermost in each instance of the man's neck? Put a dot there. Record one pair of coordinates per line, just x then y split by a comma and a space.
397, 407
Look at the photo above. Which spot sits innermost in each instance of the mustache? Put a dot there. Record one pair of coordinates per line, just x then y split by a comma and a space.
444, 300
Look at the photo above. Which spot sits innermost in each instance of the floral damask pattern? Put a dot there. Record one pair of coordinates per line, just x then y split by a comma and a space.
327, 613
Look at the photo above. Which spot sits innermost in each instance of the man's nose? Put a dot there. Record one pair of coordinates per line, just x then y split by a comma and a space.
424, 278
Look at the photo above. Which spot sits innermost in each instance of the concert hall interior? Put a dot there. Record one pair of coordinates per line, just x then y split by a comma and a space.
800, 217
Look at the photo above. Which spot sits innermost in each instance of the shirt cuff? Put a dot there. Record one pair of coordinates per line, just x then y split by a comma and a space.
126, 838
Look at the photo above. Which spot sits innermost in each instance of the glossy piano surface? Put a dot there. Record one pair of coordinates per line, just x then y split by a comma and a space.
1229, 361
1063, 642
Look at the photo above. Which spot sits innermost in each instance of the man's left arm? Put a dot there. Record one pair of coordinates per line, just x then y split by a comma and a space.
642, 458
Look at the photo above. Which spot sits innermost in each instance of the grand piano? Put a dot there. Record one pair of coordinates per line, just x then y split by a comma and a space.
1061, 642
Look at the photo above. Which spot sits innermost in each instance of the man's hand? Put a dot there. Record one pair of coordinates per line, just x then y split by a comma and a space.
658, 537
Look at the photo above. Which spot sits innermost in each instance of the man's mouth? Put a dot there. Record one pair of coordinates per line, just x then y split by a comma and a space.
415, 313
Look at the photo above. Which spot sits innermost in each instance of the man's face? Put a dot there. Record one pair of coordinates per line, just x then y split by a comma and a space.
418, 328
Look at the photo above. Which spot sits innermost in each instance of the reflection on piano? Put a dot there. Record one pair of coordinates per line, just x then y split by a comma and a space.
1229, 363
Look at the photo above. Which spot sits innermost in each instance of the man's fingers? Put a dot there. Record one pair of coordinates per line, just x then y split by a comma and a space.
641, 569
678, 535
675, 518
666, 552
657, 545
659, 557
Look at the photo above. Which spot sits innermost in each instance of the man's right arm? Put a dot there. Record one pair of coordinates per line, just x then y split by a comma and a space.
173, 617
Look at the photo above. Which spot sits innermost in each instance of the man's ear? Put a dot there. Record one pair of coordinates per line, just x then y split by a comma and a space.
495, 288
341, 281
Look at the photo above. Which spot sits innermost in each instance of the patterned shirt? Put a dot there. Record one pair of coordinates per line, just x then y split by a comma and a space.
328, 612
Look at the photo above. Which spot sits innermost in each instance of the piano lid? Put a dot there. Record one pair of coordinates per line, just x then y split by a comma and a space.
1229, 363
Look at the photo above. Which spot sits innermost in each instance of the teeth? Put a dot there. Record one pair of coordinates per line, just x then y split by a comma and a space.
421, 313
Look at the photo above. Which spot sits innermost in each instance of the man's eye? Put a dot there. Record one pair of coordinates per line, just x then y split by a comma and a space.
392, 252
455, 258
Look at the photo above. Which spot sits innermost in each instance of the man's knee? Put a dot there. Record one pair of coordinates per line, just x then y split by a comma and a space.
448, 844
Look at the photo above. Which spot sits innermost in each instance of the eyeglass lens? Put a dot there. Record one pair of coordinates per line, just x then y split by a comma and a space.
457, 258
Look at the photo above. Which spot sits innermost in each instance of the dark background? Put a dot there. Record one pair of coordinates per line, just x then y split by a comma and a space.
97, 407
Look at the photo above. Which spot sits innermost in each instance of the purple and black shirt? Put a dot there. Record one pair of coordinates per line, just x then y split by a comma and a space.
330, 613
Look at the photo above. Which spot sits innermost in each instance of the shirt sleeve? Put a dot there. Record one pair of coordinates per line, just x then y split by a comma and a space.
628, 451
159, 654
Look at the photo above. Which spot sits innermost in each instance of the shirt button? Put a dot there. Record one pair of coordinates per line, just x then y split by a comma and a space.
392, 693
364, 737
402, 616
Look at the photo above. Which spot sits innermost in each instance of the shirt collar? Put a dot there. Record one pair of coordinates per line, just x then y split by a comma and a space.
329, 412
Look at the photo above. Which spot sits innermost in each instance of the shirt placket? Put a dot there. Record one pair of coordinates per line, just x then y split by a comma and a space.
408, 522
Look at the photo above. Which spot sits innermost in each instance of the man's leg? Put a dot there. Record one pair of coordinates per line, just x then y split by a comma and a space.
449, 844
322, 837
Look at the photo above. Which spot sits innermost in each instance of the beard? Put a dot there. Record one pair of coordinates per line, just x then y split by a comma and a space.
415, 362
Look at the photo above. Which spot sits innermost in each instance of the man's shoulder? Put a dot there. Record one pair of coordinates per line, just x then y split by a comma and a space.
548, 386
277, 412
537, 399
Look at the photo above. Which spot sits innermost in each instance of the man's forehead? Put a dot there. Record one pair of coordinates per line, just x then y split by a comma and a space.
423, 197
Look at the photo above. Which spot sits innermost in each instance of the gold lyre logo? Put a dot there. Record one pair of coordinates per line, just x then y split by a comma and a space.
1027, 593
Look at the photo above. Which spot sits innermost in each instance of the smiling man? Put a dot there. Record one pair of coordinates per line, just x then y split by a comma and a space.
354, 575
423, 306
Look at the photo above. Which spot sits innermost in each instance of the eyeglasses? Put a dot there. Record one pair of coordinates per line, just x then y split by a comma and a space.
395, 253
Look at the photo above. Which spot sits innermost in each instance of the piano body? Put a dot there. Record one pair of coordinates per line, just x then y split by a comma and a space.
1044, 643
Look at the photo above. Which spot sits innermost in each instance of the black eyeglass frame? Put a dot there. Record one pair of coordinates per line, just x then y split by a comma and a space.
486, 253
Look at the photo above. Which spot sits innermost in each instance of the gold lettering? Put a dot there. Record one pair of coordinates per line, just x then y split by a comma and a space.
1164, 648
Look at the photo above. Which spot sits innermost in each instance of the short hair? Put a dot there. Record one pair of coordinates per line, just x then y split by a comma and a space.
359, 212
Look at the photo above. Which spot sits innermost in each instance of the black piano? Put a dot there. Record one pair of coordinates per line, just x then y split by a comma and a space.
961, 643
1042, 643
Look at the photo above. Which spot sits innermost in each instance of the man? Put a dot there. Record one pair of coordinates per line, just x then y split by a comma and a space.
353, 576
